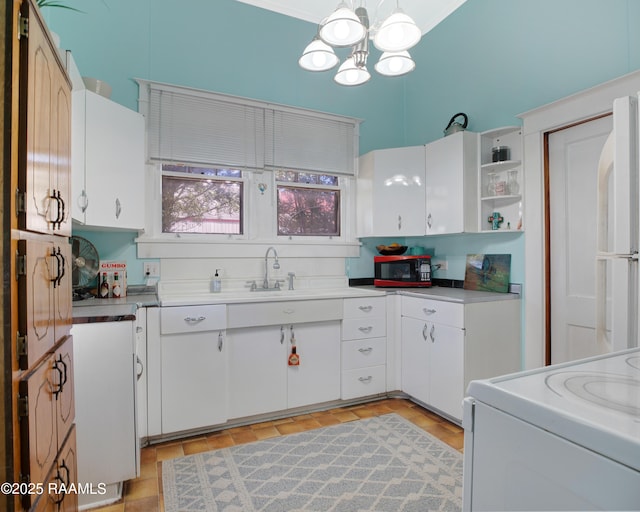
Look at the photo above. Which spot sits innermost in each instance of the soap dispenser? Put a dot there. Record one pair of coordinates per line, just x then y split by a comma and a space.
216, 282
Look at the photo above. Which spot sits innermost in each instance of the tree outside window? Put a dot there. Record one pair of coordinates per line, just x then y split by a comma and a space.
201, 200
308, 204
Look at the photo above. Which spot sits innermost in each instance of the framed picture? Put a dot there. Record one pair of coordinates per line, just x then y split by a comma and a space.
488, 272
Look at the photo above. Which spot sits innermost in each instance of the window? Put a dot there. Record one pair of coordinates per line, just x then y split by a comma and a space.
201, 200
308, 204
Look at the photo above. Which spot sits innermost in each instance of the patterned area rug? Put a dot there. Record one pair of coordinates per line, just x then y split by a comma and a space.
378, 464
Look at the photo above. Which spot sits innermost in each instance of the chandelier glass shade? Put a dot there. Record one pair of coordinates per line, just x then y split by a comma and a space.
397, 33
346, 28
349, 73
318, 56
395, 64
343, 28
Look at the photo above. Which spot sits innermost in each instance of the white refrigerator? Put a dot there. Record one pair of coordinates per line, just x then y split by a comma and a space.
617, 231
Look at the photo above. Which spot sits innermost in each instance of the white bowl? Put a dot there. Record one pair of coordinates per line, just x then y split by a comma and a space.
97, 86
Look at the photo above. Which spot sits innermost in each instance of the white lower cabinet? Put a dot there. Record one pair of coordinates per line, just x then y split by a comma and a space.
260, 378
445, 345
364, 347
193, 355
105, 387
257, 376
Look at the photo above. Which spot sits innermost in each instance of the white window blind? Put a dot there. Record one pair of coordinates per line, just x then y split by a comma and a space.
194, 126
307, 142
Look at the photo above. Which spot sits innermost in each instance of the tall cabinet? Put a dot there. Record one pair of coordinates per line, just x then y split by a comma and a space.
43, 407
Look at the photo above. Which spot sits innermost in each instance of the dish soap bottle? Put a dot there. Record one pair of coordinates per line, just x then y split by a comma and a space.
216, 282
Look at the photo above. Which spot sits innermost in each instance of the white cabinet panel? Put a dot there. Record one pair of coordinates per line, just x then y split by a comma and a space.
363, 382
317, 378
363, 353
415, 358
260, 378
359, 328
439, 311
284, 312
107, 163
193, 319
365, 307
194, 382
446, 369
391, 192
257, 370
451, 191
105, 401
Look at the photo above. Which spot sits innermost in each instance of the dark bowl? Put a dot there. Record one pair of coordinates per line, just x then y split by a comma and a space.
386, 250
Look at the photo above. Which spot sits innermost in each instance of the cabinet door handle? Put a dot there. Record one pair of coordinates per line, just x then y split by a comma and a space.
428, 311
365, 309
63, 214
62, 372
220, 338
399, 222
61, 265
368, 378
366, 329
288, 311
118, 208
429, 221
281, 334
83, 201
140, 368
425, 332
432, 333
365, 350
194, 320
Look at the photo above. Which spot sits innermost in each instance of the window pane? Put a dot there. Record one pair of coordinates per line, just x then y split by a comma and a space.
308, 211
201, 206
203, 171
306, 177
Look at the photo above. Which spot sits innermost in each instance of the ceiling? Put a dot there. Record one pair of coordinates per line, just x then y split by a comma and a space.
426, 14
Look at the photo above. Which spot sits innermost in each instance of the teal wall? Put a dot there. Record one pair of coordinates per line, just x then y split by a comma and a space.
492, 59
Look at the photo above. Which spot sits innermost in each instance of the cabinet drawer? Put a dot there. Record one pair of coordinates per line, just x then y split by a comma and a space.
363, 353
363, 382
365, 307
192, 318
437, 311
284, 312
359, 328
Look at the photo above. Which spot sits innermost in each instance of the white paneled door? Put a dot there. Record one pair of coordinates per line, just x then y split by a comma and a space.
573, 162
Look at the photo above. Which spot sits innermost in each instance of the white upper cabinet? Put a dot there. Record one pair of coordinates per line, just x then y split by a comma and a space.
391, 196
420, 190
451, 191
107, 163
500, 180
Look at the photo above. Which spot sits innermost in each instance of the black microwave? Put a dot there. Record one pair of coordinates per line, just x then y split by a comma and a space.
402, 271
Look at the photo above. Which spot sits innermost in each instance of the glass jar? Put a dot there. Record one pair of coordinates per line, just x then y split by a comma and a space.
491, 184
513, 187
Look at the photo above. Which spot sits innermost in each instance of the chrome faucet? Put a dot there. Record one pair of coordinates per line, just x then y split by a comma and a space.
276, 266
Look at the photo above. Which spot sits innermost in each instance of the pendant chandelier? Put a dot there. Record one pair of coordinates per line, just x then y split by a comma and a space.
348, 28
